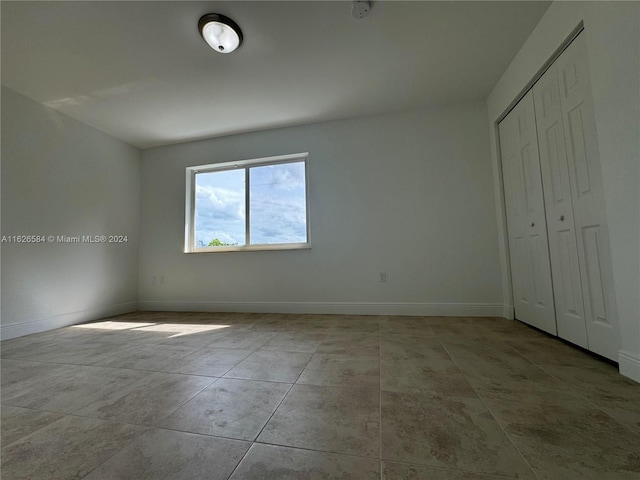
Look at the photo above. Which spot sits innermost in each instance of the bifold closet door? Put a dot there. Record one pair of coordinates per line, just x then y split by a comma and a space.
564, 110
526, 226
567, 284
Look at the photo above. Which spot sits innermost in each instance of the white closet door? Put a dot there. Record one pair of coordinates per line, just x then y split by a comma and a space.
565, 267
588, 199
530, 269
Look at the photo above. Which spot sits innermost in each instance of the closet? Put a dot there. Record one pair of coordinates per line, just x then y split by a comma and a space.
558, 241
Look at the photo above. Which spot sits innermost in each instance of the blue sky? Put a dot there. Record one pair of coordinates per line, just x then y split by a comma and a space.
277, 203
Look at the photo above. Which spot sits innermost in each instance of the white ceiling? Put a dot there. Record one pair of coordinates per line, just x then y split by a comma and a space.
140, 71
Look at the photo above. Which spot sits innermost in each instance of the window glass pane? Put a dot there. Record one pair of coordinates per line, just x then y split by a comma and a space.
220, 208
277, 202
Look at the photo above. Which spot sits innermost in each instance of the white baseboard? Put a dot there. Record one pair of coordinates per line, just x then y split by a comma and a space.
629, 365
64, 319
508, 312
345, 308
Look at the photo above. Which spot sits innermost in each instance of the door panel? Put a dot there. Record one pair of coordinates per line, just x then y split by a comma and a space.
529, 250
563, 250
588, 200
537, 248
521, 283
569, 277
579, 151
592, 248
553, 135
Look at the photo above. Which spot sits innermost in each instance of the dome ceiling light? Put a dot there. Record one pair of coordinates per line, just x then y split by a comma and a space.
220, 32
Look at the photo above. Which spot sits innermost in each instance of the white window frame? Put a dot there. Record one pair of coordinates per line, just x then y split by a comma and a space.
190, 203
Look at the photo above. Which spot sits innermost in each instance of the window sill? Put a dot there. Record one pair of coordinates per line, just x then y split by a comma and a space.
252, 248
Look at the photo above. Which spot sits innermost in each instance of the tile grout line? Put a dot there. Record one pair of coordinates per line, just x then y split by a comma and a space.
215, 380
489, 476
236, 364
126, 445
582, 397
307, 449
489, 410
541, 368
284, 397
568, 386
251, 444
149, 374
37, 430
254, 441
128, 384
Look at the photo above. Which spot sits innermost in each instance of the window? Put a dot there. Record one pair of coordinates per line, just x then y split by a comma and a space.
248, 205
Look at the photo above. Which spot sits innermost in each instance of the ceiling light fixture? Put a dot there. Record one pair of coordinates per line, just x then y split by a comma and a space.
220, 32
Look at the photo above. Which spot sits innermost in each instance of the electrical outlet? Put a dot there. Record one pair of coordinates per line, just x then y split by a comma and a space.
383, 276
163, 279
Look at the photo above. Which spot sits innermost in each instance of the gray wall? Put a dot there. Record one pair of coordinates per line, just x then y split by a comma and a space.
410, 194
61, 177
612, 35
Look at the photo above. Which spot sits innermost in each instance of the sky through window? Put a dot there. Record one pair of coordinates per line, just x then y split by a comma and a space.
277, 205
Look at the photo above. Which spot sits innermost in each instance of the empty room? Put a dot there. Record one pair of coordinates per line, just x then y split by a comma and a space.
320, 240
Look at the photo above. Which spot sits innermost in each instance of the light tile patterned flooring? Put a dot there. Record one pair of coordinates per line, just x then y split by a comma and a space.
245, 396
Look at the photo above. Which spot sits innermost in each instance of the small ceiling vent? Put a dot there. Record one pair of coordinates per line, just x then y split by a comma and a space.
360, 8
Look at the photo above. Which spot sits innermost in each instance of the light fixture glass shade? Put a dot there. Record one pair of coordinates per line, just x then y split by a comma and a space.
220, 32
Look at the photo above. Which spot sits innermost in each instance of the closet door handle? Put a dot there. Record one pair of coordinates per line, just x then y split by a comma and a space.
533, 224
562, 218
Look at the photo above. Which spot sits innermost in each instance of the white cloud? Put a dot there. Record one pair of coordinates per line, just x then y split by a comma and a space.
276, 219
288, 176
219, 214
215, 202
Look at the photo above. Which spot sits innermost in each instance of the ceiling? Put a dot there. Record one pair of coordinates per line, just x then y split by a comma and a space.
140, 71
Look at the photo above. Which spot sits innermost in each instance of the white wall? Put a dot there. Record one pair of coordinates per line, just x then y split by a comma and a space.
613, 47
61, 177
410, 194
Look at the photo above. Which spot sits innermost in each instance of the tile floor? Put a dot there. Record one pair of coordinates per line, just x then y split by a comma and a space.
245, 396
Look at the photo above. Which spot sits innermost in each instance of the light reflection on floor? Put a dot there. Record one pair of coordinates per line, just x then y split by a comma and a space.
112, 325
178, 329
